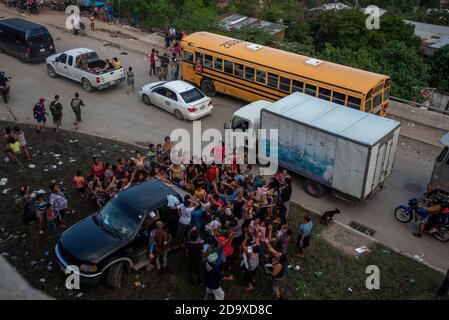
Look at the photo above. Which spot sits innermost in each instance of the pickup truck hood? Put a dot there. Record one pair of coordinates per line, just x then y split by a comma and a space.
89, 242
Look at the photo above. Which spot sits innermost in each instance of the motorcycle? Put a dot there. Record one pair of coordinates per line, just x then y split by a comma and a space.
413, 211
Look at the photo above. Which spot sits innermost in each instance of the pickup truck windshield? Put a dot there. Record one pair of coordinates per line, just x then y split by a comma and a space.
192, 95
119, 218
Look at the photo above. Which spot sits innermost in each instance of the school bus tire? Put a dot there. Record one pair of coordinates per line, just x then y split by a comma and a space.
208, 87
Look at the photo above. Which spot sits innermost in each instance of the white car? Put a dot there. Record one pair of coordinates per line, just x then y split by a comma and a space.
182, 99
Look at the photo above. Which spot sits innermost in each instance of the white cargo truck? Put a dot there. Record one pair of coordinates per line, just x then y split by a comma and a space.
334, 147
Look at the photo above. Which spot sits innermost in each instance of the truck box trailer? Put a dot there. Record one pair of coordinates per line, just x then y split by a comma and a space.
334, 147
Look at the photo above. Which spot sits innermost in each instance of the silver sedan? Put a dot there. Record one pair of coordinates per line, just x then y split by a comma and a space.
182, 99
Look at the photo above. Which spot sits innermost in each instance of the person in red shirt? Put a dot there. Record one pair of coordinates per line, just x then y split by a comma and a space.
152, 62
212, 175
97, 168
228, 251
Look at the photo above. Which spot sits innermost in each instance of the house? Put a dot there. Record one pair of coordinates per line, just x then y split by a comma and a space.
235, 21
331, 6
433, 37
368, 11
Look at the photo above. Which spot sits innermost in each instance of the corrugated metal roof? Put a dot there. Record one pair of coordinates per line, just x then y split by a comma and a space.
432, 35
330, 117
235, 21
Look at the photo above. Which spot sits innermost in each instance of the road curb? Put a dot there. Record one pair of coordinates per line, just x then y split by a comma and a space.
409, 255
88, 35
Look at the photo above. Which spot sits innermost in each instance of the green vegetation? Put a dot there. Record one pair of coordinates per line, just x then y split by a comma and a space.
339, 36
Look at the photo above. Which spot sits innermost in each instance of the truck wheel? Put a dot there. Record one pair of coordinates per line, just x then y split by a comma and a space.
313, 188
179, 115
87, 86
51, 71
114, 279
146, 99
207, 86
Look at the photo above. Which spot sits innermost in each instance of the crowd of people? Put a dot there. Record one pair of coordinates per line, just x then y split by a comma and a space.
228, 213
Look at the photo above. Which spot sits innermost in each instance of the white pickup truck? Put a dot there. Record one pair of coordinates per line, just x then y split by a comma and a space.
84, 66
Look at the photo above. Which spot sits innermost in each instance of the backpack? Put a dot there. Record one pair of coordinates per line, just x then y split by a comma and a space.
54, 111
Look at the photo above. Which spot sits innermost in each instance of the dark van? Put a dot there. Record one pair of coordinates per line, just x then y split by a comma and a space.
28, 41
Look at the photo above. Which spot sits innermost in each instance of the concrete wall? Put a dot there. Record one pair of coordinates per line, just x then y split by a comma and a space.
418, 115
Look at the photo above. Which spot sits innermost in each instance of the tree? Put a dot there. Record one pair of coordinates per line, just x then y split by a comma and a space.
440, 69
196, 15
405, 67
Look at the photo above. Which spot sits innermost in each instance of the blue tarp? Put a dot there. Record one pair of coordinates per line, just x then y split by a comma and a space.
90, 3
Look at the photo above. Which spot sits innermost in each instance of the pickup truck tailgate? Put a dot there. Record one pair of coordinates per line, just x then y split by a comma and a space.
111, 76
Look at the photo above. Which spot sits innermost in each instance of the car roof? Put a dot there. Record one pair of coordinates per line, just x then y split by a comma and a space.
147, 195
23, 25
78, 51
178, 86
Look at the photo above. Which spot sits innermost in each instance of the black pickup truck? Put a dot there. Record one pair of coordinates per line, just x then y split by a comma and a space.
115, 238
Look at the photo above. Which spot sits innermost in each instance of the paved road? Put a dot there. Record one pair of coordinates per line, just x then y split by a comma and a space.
113, 114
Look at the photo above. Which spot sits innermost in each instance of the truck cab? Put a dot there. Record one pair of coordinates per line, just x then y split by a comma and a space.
440, 174
247, 117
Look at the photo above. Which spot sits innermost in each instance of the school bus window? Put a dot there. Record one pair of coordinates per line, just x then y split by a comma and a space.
377, 101
238, 70
261, 76
218, 65
354, 103
368, 105
188, 56
311, 90
387, 94
273, 80
228, 66
199, 58
297, 86
339, 98
249, 73
284, 84
208, 61
324, 94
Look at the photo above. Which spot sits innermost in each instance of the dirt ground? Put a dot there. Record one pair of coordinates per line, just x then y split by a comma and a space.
326, 272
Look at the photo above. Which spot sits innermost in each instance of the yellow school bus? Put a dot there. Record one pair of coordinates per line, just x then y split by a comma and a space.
253, 72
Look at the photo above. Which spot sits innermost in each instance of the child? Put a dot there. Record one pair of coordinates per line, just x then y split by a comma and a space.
80, 184
159, 152
92, 21
130, 80
108, 173
51, 217
41, 209
20, 136
16, 150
